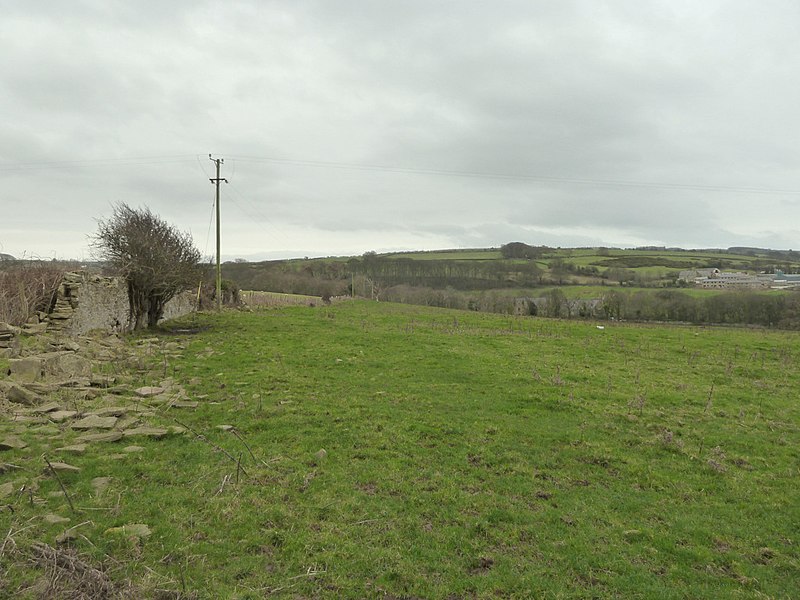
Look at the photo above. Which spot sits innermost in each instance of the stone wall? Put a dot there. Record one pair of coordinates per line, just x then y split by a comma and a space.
86, 302
182, 304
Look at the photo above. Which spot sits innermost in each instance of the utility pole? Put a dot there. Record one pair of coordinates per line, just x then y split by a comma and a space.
215, 181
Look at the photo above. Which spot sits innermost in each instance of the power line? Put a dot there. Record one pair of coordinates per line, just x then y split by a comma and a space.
97, 162
253, 211
180, 158
517, 177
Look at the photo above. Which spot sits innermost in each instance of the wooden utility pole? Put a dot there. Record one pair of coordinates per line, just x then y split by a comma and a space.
215, 181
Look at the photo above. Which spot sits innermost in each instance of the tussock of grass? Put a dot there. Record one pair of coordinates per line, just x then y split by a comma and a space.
465, 455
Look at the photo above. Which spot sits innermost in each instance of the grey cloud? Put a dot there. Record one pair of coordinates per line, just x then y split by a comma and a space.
654, 92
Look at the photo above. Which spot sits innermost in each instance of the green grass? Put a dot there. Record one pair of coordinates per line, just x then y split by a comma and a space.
468, 455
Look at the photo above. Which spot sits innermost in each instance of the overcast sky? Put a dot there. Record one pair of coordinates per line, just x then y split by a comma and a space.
356, 125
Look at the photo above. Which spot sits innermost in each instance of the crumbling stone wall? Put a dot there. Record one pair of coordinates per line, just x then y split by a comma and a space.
180, 305
86, 302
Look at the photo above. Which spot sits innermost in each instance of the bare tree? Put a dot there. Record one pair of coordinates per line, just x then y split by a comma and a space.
157, 260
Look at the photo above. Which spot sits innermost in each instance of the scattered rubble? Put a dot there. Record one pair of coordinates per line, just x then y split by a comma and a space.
68, 397
18, 394
9, 340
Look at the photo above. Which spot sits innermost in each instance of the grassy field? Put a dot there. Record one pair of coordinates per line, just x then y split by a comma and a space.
392, 451
660, 263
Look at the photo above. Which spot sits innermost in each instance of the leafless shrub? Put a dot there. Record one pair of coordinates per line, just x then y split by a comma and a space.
157, 260
26, 288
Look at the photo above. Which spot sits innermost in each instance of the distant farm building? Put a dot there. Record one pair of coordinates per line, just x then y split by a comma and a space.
784, 280
693, 275
715, 279
735, 281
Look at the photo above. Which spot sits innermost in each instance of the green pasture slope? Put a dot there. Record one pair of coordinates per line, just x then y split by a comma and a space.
466, 455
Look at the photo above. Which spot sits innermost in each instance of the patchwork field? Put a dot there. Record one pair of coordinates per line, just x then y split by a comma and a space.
393, 451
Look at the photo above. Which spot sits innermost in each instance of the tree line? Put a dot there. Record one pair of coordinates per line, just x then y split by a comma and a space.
731, 308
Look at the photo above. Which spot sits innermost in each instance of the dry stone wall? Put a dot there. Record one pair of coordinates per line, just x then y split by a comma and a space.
86, 302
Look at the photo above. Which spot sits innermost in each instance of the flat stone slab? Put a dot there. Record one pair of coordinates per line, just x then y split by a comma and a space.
46, 408
131, 530
60, 416
110, 411
128, 422
111, 436
100, 484
102, 381
65, 363
182, 404
26, 369
148, 391
12, 442
161, 398
95, 422
29, 419
6, 489
18, 394
63, 467
74, 449
54, 519
151, 432
46, 430
59, 364
34, 328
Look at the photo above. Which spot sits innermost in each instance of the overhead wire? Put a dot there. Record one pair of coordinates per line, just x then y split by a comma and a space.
179, 158
253, 211
96, 162
517, 176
